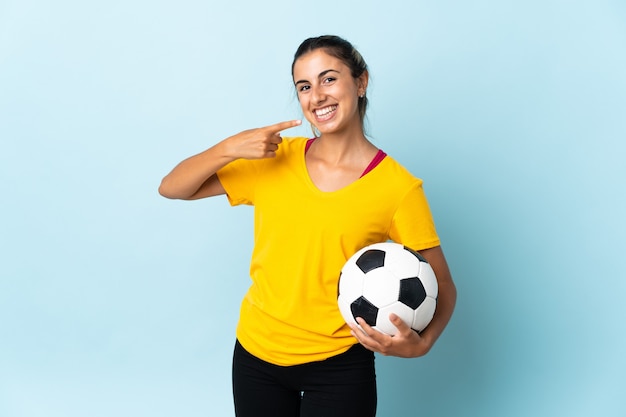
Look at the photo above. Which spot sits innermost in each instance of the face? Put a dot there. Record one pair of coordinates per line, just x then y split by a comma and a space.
327, 92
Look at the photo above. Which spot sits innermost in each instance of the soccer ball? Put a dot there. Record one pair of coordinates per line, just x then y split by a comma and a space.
386, 278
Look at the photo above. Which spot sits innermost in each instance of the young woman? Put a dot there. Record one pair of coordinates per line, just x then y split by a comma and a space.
317, 201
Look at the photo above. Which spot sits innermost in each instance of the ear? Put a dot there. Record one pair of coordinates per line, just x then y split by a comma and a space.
362, 82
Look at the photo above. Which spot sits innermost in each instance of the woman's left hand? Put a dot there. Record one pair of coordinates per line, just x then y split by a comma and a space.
406, 343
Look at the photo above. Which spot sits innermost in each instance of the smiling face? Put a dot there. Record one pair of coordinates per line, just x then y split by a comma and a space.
328, 93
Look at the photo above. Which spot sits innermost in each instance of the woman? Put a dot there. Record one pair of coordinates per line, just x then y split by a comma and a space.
317, 201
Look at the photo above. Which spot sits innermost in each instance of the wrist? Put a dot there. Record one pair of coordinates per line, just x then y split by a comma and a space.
226, 151
424, 344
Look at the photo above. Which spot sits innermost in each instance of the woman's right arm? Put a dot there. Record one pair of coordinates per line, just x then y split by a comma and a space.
196, 177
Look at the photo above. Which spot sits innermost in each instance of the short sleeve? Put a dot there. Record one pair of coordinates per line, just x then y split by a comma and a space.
242, 177
413, 224
239, 178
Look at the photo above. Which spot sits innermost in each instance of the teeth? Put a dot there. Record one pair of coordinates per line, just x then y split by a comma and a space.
325, 110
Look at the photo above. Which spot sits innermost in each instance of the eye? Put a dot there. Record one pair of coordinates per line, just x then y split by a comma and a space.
329, 80
303, 88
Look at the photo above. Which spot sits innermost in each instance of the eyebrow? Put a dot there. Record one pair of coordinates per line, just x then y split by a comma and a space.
321, 74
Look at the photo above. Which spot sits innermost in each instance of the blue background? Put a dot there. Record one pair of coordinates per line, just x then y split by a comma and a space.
117, 302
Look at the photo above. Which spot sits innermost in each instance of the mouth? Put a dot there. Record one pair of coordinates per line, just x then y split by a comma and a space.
325, 113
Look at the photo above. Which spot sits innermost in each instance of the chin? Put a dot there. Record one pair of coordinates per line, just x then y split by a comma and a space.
326, 128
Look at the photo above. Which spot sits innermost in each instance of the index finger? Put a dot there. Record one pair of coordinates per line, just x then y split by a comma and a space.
275, 128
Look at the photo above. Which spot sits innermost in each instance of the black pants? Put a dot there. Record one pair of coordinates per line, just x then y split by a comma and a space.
341, 386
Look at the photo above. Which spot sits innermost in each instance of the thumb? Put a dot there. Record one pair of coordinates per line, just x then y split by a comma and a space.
398, 322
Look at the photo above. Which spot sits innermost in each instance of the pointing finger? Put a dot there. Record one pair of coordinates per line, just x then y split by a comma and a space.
284, 125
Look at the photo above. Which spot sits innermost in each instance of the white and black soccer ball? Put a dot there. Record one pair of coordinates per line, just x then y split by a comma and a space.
386, 278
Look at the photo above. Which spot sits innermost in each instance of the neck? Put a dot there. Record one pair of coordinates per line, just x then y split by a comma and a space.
337, 148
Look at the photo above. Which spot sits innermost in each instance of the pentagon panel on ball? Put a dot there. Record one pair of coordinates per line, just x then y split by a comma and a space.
385, 278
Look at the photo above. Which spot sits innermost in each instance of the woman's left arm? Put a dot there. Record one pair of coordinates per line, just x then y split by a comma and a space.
407, 343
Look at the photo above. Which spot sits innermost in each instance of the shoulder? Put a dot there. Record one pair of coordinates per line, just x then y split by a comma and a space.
397, 173
292, 145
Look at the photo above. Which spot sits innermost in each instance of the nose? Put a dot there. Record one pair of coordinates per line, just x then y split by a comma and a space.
317, 95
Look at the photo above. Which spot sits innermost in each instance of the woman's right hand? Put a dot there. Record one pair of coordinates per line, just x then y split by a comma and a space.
257, 143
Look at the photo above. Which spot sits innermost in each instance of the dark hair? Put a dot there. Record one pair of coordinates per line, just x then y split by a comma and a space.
341, 49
